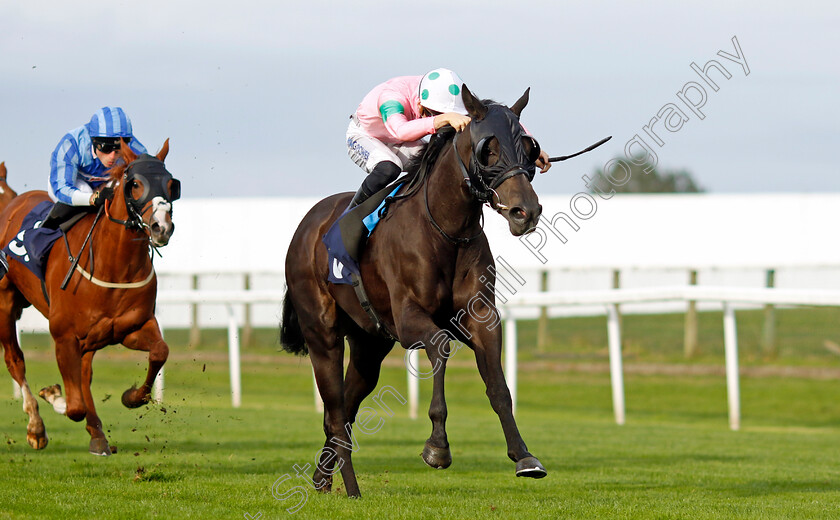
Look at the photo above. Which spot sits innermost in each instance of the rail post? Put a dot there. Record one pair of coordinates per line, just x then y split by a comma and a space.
768, 339
542, 324
690, 337
195, 330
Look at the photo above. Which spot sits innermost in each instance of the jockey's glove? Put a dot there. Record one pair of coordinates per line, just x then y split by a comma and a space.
99, 198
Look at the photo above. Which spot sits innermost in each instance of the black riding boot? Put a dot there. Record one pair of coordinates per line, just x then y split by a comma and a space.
360, 196
382, 174
59, 214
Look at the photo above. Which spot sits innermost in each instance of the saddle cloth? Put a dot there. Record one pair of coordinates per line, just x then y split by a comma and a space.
32, 244
346, 238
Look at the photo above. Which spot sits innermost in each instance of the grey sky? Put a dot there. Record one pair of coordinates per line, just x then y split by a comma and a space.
255, 95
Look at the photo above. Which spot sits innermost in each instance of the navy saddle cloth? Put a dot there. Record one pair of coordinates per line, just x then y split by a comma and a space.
347, 236
32, 245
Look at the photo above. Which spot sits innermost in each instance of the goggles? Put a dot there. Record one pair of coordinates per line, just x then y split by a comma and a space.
110, 145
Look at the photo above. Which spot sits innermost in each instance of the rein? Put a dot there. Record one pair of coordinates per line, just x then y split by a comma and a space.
75, 260
454, 240
134, 223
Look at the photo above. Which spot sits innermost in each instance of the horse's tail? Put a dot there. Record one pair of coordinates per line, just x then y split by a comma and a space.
291, 336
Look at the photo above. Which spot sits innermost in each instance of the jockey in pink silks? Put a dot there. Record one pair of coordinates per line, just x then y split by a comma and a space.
391, 121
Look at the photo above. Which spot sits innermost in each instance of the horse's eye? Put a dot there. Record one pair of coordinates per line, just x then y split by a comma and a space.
485, 151
135, 185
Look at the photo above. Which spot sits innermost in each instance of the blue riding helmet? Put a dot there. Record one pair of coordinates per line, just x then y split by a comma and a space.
109, 122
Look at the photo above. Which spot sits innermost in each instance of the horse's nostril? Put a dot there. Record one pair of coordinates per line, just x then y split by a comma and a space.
518, 214
155, 228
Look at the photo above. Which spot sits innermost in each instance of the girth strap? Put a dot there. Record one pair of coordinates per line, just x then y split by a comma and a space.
359, 287
116, 285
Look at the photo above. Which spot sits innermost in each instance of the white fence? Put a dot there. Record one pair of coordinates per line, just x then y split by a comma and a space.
608, 299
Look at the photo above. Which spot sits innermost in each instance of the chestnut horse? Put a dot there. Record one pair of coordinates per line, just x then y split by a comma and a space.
6, 193
111, 295
425, 265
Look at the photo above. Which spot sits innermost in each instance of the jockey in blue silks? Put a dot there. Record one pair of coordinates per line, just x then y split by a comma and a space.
79, 163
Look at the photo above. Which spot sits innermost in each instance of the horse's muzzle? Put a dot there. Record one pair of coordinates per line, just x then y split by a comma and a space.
160, 223
523, 219
160, 234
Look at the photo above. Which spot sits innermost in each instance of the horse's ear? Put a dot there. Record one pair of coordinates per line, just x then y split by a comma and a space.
164, 150
127, 153
475, 108
521, 102
3, 169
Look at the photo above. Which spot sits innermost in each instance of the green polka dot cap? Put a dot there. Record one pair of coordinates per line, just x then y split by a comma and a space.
440, 90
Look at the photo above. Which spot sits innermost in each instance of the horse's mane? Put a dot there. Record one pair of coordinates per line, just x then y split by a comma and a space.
116, 171
429, 152
421, 163
127, 156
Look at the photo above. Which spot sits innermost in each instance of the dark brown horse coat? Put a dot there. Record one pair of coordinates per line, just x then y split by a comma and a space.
86, 317
419, 270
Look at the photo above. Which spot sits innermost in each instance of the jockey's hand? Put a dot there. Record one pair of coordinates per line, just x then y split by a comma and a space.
542, 162
98, 198
453, 119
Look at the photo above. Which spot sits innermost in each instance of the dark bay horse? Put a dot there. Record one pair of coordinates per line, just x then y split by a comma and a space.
110, 297
427, 262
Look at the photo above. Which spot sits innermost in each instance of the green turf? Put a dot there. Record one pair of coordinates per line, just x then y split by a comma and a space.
196, 457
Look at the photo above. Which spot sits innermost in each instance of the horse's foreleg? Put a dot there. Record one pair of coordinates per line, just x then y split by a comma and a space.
418, 330
98, 442
366, 355
147, 339
436, 451
487, 344
68, 356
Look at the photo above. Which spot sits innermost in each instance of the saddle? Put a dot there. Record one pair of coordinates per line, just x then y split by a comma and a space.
345, 242
32, 244
346, 238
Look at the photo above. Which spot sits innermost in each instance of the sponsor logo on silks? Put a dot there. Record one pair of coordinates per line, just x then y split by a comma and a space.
358, 149
337, 267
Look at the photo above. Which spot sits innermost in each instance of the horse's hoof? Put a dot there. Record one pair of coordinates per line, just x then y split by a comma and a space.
324, 484
130, 399
37, 441
49, 392
99, 447
439, 458
530, 467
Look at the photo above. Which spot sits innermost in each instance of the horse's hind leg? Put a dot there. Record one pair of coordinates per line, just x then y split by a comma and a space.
36, 434
98, 442
327, 362
147, 339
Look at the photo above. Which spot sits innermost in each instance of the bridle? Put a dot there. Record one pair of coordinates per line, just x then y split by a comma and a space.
482, 179
156, 182
155, 179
